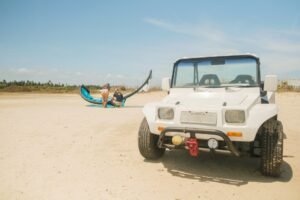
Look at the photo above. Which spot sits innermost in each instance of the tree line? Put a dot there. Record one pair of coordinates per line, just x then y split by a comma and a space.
33, 86
47, 87
5, 83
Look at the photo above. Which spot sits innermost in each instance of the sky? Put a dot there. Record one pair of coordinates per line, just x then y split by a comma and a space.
94, 42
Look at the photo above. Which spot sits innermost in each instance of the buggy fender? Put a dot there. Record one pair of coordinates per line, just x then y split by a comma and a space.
259, 114
149, 112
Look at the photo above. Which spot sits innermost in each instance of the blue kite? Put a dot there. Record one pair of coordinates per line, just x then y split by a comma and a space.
86, 95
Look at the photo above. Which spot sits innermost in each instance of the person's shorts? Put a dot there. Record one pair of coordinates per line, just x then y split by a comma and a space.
104, 91
118, 103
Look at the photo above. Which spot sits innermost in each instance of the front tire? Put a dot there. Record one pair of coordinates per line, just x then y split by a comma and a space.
148, 142
272, 148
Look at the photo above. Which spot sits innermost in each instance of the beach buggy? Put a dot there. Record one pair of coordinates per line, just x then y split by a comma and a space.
216, 103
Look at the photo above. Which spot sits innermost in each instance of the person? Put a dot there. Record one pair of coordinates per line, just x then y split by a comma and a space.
117, 98
104, 93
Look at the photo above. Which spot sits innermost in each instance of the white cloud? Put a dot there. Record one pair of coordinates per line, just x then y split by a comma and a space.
22, 70
120, 76
196, 30
279, 50
160, 24
108, 76
78, 73
115, 76
293, 32
283, 46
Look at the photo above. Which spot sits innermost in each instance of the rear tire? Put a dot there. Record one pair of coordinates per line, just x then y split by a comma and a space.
148, 142
272, 148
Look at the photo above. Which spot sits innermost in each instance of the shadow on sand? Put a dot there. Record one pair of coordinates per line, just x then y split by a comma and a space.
221, 168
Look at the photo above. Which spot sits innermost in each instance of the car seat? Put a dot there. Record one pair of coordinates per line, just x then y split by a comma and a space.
209, 79
243, 78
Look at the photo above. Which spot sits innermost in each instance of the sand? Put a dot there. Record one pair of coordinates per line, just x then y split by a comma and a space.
61, 147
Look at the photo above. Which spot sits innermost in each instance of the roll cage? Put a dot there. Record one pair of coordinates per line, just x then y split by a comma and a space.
215, 59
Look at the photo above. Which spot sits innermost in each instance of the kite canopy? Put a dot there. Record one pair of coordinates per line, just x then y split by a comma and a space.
86, 95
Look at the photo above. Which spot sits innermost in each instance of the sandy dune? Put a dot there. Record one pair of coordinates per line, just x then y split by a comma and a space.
60, 147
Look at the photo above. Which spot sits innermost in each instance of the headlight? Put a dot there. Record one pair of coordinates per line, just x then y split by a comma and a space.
235, 116
166, 113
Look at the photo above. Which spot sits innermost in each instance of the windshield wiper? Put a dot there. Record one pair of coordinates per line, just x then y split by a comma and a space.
246, 86
209, 86
237, 85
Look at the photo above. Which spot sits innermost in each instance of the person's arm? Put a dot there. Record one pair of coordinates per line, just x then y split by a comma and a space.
114, 96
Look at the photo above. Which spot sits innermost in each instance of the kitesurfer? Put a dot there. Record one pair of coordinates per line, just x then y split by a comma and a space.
117, 98
105, 92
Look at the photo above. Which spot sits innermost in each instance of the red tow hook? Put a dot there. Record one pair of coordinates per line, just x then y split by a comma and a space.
192, 145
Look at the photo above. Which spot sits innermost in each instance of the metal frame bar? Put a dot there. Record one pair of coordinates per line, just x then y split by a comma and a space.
193, 133
258, 77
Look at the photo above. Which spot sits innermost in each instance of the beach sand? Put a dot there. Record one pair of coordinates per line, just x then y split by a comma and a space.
59, 147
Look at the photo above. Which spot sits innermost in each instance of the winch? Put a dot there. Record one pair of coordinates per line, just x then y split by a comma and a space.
192, 145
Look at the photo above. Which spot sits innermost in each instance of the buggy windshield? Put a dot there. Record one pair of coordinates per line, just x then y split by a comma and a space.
216, 72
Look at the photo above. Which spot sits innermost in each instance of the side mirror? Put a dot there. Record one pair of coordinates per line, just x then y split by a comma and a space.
165, 84
270, 83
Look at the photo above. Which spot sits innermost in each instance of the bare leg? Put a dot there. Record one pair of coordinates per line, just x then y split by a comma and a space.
104, 99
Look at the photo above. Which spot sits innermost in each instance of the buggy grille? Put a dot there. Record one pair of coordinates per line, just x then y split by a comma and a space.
190, 117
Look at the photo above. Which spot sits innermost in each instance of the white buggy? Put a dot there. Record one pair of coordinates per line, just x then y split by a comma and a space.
216, 103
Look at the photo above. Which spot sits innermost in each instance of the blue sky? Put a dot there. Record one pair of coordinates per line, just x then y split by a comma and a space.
93, 42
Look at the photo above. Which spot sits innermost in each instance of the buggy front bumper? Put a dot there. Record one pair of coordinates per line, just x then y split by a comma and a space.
193, 132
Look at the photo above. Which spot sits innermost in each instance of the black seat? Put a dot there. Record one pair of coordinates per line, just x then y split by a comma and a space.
209, 79
243, 78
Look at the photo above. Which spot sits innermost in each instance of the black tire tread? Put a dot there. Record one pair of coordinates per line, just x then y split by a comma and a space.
272, 148
147, 142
